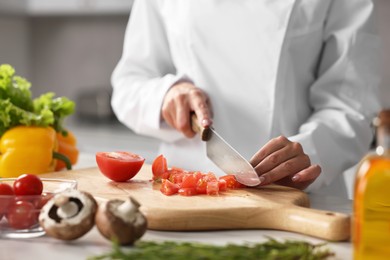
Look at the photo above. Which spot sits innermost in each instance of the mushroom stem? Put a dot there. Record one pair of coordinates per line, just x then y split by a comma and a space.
61, 200
66, 207
127, 210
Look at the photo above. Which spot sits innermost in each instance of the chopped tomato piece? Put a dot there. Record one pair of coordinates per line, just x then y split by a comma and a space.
176, 174
212, 188
160, 168
168, 188
189, 181
177, 180
176, 177
231, 182
222, 184
187, 191
210, 177
201, 186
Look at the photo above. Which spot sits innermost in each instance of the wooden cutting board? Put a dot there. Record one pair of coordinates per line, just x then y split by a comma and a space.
271, 207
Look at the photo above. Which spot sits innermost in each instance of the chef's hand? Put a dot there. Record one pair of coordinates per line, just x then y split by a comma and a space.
181, 100
283, 162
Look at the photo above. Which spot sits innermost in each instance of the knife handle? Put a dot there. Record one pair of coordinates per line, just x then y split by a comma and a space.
205, 133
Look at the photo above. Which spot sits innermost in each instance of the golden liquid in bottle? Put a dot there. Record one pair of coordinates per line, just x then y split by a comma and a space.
371, 228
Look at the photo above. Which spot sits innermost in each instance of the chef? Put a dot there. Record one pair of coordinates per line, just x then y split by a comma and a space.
290, 84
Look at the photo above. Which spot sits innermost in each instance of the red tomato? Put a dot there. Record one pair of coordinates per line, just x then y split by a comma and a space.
160, 168
222, 184
212, 188
22, 215
168, 188
231, 182
28, 184
176, 177
189, 181
119, 166
7, 191
188, 191
201, 186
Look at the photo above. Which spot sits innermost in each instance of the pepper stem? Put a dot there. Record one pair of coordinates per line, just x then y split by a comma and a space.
64, 158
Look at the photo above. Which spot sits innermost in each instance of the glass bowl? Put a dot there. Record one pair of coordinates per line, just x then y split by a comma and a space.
19, 214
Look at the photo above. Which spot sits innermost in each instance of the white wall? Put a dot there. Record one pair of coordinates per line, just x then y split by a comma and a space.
71, 54
15, 43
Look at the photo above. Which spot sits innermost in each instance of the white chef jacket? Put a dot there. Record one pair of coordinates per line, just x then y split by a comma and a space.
306, 69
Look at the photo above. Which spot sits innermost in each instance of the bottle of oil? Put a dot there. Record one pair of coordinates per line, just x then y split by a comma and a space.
371, 220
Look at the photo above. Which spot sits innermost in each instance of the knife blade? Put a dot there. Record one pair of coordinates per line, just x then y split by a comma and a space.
225, 156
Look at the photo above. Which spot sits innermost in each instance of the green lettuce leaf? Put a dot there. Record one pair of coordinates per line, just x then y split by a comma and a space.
61, 107
18, 108
15, 88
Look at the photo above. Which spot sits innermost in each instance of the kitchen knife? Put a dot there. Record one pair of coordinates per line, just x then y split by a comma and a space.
225, 156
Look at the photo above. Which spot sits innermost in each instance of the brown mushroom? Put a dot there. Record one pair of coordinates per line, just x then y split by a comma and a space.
121, 221
68, 215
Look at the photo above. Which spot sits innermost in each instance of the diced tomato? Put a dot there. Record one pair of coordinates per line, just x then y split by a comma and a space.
187, 191
189, 181
176, 177
231, 182
160, 168
177, 180
176, 174
210, 177
201, 186
212, 188
222, 185
168, 188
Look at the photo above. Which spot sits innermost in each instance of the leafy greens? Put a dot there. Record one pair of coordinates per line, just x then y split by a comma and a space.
18, 108
271, 249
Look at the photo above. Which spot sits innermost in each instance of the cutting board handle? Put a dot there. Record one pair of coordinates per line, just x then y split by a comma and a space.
332, 226
204, 133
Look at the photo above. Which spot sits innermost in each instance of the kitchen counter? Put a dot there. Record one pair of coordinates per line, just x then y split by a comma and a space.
94, 244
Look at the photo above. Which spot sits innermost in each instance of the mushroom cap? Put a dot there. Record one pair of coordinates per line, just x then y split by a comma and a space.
72, 227
124, 228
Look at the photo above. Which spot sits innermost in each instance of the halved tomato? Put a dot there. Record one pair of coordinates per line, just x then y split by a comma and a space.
119, 166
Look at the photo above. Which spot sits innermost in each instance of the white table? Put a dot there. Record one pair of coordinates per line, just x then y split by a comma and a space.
94, 244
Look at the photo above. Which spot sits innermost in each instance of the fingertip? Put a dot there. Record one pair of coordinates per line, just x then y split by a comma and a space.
206, 122
296, 178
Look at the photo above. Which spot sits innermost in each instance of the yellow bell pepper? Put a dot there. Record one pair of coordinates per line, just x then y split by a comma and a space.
27, 149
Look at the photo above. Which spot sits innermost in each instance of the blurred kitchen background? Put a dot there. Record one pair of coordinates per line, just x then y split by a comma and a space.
71, 47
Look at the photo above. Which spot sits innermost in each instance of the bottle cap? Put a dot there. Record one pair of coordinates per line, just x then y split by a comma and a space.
383, 118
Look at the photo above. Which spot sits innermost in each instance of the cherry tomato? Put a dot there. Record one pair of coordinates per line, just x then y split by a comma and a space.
6, 189
119, 166
22, 215
6, 197
28, 184
160, 168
